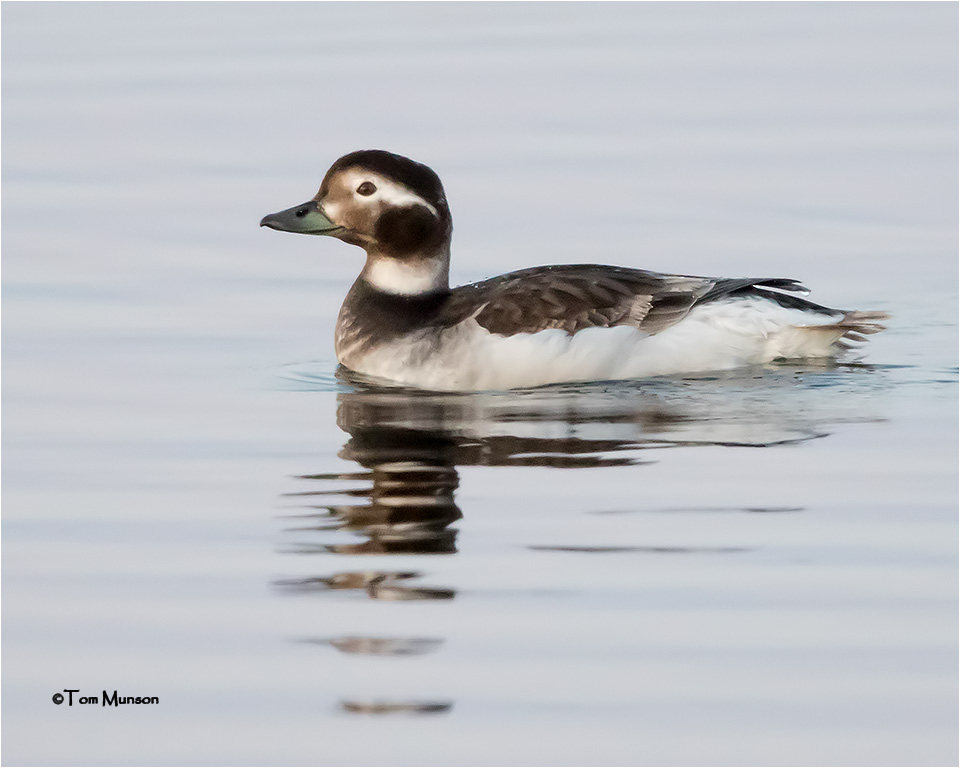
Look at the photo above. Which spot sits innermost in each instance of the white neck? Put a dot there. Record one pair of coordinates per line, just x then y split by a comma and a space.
407, 277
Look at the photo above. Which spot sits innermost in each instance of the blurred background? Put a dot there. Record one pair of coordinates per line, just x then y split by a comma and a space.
748, 569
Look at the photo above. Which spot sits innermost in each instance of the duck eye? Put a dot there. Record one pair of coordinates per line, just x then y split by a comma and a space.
366, 189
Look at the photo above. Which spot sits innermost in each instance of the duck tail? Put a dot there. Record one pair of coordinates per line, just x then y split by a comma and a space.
827, 340
854, 327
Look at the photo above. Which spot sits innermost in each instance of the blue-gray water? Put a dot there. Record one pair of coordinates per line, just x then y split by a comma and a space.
752, 569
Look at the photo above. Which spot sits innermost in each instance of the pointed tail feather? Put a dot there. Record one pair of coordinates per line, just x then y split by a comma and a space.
811, 341
856, 326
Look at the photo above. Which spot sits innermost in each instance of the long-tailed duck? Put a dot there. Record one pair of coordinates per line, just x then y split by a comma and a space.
402, 322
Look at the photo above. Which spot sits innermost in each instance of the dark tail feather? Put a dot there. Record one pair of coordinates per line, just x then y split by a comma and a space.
735, 286
777, 289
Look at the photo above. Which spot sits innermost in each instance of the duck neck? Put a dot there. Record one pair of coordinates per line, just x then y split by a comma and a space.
417, 274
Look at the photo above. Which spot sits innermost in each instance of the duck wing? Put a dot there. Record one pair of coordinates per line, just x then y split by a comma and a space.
578, 296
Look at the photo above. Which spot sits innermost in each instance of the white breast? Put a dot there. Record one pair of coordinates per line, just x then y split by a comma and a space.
406, 278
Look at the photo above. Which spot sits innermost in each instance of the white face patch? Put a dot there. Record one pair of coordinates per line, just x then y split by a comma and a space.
331, 210
387, 192
406, 278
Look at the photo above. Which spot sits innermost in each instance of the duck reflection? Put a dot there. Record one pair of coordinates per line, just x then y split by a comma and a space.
405, 447
396, 707
379, 585
407, 507
409, 445
381, 646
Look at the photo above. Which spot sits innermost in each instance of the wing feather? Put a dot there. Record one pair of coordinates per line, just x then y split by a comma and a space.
575, 297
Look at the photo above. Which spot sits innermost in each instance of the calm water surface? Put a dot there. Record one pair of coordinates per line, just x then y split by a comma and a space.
747, 569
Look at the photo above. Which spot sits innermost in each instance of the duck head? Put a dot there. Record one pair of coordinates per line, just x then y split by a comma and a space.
393, 208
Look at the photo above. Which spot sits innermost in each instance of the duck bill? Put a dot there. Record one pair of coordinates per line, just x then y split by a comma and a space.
307, 219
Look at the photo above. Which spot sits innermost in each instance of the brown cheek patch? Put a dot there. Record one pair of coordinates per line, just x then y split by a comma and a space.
406, 230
